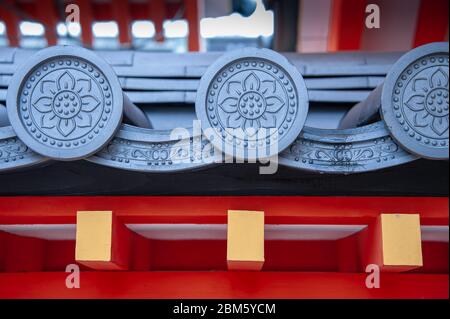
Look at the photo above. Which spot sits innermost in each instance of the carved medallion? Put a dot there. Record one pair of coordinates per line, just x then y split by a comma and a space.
415, 101
65, 103
254, 100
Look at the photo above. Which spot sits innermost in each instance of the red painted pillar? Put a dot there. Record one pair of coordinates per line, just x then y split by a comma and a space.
121, 14
86, 20
191, 13
432, 22
157, 9
347, 25
46, 13
11, 21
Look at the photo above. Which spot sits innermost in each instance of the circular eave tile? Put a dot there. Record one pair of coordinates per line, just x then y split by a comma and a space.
65, 103
252, 103
415, 103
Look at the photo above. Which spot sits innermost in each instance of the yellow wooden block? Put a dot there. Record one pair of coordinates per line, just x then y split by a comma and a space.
94, 236
401, 241
245, 240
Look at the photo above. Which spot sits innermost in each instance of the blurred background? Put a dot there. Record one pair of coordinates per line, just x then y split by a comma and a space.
155, 29
220, 25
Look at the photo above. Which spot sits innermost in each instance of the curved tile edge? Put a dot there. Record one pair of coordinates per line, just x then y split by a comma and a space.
363, 149
348, 151
14, 154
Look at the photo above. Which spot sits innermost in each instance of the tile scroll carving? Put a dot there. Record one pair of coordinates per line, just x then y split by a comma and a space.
332, 151
14, 154
348, 151
154, 151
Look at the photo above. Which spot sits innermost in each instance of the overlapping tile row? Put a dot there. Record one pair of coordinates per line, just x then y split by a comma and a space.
66, 104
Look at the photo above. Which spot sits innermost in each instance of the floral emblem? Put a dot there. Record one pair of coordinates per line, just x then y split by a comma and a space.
251, 103
430, 102
66, 103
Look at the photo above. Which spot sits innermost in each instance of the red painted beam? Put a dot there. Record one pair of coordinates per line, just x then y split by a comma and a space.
103, 11
26, 7
139, 10
192, 15
346, 25
435, 258
206, 285
213, 209
155, 10
121, 14
210, 255
348, 254
21, 253
280, 255
86, 20
432, 22
172, 8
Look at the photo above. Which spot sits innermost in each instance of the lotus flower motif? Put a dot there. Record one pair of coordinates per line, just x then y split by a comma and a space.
66, 103
430, 102
251, 103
